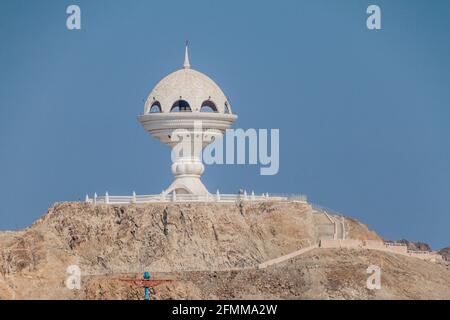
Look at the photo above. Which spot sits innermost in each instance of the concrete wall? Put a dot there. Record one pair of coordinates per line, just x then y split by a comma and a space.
363, 244
348, 243
403, 249
351, 243
374, 244
329, 243
429, 256
380, 245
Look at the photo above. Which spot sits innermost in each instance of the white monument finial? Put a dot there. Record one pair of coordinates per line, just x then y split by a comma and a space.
186, 64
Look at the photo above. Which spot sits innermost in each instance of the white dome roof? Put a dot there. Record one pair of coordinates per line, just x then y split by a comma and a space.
189, 85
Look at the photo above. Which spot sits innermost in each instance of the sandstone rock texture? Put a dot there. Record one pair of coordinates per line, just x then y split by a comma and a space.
207, 250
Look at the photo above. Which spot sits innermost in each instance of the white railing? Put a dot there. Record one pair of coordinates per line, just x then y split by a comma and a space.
174, 197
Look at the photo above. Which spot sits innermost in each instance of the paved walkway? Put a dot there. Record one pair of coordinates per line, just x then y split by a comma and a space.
286, 257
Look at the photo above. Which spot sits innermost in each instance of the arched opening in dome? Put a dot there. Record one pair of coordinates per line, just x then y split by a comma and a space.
155, 108
208, 106
227, 109
181, 106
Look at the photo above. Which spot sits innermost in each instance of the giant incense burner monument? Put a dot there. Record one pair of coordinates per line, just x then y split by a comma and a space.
188, 109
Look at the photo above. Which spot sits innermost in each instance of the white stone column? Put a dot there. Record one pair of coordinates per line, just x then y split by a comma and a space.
187, 166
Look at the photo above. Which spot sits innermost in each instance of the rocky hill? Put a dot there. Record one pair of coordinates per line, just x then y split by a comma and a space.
208, 250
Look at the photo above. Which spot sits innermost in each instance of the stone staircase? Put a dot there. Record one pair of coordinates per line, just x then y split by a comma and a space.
328, 227
340, 228
324, 227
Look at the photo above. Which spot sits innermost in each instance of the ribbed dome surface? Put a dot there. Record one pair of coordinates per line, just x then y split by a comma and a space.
188, 85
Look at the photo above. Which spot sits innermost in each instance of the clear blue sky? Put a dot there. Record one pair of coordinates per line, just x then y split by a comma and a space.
364, 116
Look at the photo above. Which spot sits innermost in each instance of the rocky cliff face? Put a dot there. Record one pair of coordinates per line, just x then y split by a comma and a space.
207, 249
162, 237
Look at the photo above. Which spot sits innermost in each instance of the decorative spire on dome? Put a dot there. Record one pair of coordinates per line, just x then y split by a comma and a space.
186, 64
